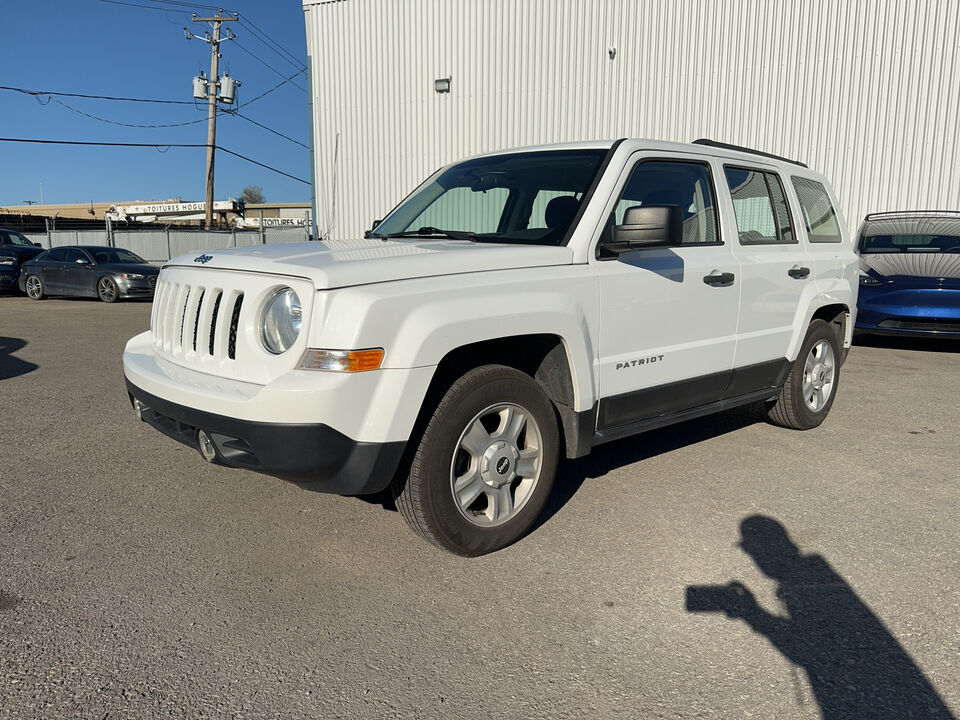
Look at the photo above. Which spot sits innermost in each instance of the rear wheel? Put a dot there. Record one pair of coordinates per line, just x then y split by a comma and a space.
107, 290
485, 464
811, 386
34, 287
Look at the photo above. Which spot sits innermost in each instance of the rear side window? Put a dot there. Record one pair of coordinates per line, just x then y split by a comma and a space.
818, 212
760, 207
57, 255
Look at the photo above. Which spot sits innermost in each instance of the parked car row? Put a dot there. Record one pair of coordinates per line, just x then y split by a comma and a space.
107, 273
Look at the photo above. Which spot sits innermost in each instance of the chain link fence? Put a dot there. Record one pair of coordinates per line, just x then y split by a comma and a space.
157, 246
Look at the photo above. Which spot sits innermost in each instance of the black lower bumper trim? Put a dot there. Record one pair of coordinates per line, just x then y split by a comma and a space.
313, 453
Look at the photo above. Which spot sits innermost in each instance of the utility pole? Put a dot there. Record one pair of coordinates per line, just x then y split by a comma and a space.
212, 92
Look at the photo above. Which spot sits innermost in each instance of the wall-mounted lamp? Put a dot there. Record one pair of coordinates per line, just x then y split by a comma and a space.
442, 85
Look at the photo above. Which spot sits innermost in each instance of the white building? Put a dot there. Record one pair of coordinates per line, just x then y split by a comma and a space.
865, 91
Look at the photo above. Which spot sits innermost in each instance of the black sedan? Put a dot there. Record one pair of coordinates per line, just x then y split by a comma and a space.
15, 250
104, 272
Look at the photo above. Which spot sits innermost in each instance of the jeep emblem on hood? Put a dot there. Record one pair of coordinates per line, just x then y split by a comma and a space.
203, 259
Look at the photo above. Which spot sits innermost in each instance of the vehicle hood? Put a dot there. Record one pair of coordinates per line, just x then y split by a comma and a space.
128, 268
342, 263
913, 265
20, 252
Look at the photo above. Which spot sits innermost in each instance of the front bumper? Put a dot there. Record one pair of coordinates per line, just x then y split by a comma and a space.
909, 311
314, 453
9, 281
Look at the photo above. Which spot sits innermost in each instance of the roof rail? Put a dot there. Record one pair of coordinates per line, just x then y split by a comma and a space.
741, 148
909, 213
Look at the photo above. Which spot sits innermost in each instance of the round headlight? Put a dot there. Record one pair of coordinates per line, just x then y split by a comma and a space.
280, 322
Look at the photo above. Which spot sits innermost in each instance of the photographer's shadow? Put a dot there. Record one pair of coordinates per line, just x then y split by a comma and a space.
855, 667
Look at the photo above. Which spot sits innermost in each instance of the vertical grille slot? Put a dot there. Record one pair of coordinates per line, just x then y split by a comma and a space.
213, 320
234, 322
196, 319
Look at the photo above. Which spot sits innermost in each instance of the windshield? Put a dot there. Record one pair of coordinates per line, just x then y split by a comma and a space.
529, 198
114, 255
11, 237
910, 243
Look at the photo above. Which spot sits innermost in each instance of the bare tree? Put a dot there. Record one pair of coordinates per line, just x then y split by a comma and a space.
253, 194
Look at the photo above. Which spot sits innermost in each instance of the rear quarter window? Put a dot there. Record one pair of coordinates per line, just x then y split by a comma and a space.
818, 214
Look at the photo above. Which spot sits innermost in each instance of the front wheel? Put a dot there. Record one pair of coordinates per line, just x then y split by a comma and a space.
485, 464
34, 287
107, 290
811, 386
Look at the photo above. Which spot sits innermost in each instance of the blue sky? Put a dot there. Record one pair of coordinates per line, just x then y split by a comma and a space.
100, 48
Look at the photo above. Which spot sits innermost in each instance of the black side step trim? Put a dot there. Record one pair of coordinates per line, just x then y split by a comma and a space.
622, 431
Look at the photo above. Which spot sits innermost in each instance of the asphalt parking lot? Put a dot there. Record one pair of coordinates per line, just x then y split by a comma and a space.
136, 581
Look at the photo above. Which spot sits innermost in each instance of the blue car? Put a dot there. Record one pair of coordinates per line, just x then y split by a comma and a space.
910, 274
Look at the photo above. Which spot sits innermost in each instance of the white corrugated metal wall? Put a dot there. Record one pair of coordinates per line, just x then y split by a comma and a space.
865, 91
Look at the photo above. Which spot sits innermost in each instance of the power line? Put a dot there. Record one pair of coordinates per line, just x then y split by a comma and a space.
265, 39
268, 129
267, 92
145, 7
123, 124
95, 97
155, 146
255, 162
266, 64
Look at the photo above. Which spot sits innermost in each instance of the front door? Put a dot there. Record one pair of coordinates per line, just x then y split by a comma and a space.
668, 314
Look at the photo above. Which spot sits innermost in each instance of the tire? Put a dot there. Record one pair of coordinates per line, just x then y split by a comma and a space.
494, 437
811, 386
107, 289
34, 287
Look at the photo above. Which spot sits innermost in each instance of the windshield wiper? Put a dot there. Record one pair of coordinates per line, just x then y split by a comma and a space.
428, 231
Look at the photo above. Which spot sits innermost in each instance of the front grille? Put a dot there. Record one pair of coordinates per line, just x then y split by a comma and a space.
205, 319
928, 324
234, 322
187, 317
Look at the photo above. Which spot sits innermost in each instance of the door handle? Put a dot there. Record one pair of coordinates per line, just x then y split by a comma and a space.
718, 278
798, 272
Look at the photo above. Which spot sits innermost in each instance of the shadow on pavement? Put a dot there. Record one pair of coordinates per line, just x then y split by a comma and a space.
604, 458
10, 366
855, 667
922, 344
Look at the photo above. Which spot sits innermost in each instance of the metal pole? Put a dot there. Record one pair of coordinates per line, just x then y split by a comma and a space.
212, 91
168, 243
46, 221
263, 230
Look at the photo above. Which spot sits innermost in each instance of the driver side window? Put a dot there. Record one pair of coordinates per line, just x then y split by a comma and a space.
686, 185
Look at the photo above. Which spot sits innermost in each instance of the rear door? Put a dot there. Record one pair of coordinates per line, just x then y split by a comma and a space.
776, 271
668, 314
821, 225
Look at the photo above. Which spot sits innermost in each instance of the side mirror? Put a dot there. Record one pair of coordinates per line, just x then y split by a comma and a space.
38, 244
82, 261
648, 226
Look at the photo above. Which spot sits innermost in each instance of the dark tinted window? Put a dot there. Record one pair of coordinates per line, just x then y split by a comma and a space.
760, 207
57, 255
76, 256
115, 255
910, 243
683, 184
818, 212
11, 237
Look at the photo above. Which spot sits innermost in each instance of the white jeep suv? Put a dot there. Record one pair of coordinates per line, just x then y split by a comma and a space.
519, 307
